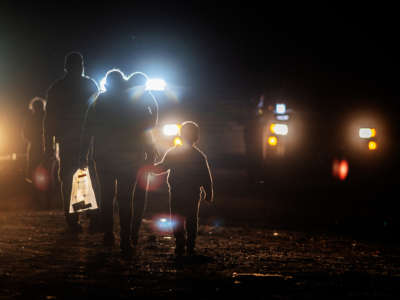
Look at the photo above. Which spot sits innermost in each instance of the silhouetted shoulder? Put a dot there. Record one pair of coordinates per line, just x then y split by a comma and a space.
201, 153
91, 83
54, 86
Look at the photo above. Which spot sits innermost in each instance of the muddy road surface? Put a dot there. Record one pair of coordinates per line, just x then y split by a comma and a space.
40, 260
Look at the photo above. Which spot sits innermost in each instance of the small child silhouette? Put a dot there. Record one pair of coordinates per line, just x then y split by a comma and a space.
189, 182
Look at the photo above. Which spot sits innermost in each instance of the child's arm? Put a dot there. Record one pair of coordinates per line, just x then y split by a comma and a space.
207, 184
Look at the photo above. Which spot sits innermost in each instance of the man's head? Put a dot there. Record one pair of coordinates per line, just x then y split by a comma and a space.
73, 64
115, 80
190, 132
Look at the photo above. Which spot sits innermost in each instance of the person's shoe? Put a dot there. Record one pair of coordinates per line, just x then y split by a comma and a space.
109, 239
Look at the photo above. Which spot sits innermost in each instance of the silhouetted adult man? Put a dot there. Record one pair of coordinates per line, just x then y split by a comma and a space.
137, 87
118, 124
67, 102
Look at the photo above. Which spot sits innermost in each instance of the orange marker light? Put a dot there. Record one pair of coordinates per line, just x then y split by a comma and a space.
178, 141
372, 145
272, 141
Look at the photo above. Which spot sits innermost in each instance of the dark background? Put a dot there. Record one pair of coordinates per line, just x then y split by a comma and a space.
327, 59
325, 52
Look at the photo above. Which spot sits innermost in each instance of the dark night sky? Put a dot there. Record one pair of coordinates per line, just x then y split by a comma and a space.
323, 51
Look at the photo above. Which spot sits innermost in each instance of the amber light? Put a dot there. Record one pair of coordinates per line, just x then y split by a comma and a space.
178, 141
372, 145
272, 141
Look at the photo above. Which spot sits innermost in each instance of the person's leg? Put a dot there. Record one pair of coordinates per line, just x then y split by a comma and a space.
94, 215
192, 221
125, 193
107, 187
139, 206
178, 224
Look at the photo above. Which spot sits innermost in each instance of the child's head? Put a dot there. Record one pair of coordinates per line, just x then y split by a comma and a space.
190, 132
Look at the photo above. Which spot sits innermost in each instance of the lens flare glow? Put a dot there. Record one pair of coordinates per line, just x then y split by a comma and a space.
156, 84
272, 141
170, 129
372, 145
279, 129
41, 178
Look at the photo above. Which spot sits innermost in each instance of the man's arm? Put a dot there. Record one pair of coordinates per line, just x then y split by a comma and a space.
207, 182
86, 136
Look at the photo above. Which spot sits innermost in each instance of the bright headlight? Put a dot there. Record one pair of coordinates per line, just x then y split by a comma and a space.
170, 129
279, 129
280, 108
155, 84
367, 133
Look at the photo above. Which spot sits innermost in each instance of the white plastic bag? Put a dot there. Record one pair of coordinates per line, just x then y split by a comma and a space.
82, 194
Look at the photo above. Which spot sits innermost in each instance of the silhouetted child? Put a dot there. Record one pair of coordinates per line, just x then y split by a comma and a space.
189, 181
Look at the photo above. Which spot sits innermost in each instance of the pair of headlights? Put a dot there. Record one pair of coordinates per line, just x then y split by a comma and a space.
277, 129
173, 130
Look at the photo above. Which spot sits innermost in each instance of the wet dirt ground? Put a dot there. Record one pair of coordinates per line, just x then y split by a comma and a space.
39, 260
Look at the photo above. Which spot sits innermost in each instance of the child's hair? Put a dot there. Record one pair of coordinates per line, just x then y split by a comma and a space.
190, 132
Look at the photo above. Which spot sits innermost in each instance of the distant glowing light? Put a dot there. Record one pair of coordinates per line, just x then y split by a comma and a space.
367, 133
372, 145
343, 169
165, 224
14, 156
340, 169
156, 84
272, 141
275, 234
170, 129
178, 141
279, 129
280, 108
282, 117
